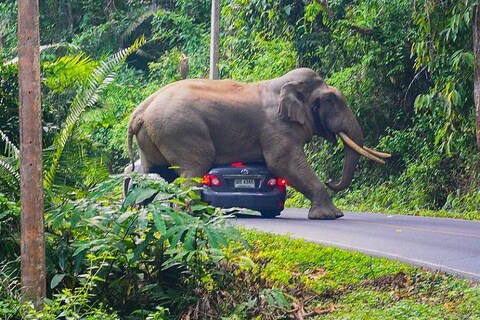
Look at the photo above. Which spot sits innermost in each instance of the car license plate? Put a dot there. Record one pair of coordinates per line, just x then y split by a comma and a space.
244, 183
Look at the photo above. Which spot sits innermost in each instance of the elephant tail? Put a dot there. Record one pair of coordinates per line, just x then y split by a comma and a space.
134, 125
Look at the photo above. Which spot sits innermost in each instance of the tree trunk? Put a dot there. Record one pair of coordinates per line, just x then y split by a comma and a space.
476, 89
33, 272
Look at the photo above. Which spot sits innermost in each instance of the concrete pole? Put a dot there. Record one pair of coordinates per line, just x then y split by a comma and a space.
214, 39
31, 188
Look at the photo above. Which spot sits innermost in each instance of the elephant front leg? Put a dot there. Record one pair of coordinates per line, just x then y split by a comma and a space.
324, 212
299, 174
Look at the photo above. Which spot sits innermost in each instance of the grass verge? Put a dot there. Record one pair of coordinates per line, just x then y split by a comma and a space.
330, 283
297, 200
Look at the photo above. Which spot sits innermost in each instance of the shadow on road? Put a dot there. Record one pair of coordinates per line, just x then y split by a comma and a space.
242, 215
253, 215
245, 214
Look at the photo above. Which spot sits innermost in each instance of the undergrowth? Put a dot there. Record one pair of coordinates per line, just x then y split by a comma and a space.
337, 284
114, 258
176, 258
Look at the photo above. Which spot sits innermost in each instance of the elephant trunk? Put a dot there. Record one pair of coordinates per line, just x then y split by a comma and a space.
351, 157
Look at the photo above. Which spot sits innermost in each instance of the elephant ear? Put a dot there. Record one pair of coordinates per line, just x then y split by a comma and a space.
292, 103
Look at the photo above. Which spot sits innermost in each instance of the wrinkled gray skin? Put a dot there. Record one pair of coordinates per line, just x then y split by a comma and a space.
196, 124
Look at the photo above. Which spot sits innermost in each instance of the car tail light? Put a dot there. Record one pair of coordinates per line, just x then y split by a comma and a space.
211, 180
277, 182
237, 165
272, 182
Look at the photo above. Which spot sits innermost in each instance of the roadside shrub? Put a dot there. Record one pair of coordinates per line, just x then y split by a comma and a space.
10, 298
9, 229
148, 256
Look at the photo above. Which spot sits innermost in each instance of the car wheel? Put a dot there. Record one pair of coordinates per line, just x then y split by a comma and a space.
270, 213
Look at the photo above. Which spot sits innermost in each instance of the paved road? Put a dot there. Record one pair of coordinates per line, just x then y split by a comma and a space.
448, 245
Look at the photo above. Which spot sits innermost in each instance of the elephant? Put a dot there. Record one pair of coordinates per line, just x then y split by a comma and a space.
189, 126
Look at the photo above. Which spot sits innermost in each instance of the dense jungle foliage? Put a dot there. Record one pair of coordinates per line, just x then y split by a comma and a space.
406, 68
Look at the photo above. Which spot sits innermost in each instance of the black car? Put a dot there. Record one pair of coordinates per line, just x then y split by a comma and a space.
250, 186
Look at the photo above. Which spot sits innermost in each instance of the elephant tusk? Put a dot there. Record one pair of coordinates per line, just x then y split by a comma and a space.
358, 149
377, 153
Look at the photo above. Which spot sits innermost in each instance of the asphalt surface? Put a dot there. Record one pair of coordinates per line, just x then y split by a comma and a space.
448, 245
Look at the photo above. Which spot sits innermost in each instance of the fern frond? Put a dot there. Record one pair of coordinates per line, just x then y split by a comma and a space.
127, 33
96, 83
67, 71
11, 151
144, 54
45, 47
10, 169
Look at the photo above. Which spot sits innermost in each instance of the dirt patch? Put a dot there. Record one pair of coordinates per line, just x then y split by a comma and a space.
389, 282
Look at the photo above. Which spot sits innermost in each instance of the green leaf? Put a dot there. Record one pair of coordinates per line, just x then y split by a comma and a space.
469, 59
79, 258
189, 242
137, 195
102, 189
75, 217
144, 194
177, 237
56, 280
141, 247
142, 219
124, 216
159, 222
220, 236
81, 246
176, 217
212, 238
57, 222
199, 207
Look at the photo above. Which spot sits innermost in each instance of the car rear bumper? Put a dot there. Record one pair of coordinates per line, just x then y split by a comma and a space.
266, 201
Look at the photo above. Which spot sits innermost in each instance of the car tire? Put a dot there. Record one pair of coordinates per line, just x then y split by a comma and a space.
270, 214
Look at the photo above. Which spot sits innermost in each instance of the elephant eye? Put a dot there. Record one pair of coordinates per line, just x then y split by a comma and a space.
329, 98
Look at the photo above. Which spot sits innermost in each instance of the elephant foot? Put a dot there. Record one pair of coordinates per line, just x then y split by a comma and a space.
324, 213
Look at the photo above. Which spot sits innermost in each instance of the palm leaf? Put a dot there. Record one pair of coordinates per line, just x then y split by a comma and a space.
11, 151
43, 48
66, 71
134, 26
9, 168
96, 83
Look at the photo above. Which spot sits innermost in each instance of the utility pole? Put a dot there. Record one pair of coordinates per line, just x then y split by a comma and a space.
476, 75
214, 39
31, 188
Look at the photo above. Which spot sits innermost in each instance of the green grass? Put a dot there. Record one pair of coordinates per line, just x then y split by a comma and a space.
337, 284
297, 200
469, 215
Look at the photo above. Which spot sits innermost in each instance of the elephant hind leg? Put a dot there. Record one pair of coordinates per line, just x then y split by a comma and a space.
192, 156
192, 168
187, 147
151, 158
